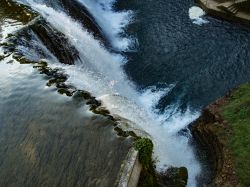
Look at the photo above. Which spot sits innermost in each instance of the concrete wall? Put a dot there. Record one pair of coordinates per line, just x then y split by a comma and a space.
130, 170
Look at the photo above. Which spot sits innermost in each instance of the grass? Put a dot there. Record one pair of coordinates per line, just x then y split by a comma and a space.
237, 114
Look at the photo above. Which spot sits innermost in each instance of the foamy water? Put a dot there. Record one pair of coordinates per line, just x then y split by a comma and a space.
112, 23
101, 73
195, 14
7, 27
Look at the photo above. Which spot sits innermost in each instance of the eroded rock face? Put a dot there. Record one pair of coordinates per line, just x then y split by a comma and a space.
210, 132
34, 27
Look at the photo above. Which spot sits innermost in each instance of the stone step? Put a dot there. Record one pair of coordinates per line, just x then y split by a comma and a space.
229, 7
233, 9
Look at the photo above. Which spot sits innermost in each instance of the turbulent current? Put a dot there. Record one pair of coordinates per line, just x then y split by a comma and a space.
100, 69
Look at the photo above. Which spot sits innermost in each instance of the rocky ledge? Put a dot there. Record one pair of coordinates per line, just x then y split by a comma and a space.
232, 10
221, 134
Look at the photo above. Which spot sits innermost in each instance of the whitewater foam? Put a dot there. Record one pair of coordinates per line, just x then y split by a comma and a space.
100, 72
112, 23
195, 14
9, 26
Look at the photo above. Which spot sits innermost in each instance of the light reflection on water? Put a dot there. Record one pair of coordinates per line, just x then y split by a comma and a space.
49, 139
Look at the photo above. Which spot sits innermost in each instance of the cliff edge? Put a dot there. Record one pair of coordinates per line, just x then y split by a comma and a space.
222, 134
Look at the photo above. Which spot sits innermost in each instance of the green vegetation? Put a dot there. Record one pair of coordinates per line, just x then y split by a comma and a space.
145, 148
237, 114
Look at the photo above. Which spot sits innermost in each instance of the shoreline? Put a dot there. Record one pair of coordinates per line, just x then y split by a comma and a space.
218, 135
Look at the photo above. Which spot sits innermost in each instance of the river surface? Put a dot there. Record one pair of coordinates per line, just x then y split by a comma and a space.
150, 64
51, 140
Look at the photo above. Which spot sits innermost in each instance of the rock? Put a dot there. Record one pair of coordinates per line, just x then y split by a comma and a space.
173, 177
77, 10
55, 41
66, 91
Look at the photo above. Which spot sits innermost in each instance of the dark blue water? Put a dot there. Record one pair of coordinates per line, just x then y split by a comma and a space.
203, 62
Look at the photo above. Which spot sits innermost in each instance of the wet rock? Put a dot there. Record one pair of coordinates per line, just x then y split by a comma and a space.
2, 57
61, 85
80, 13
66, 91
83, 94
100, 110
93, 102
23, 60
173, 177
56, 81
120, 132
132, 134
55, 41
41, 63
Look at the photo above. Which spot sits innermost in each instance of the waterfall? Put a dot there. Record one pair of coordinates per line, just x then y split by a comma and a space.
100, 72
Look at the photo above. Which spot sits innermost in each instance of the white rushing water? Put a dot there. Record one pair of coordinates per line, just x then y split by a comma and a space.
112, 23
101, 73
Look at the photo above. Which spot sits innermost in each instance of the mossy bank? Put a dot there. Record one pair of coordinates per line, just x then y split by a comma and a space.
222, 133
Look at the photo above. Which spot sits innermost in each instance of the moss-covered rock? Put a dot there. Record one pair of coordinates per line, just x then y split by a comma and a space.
65, 91
145, 148
148, 175
22, 60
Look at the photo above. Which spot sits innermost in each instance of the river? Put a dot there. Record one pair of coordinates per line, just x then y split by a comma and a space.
148, 63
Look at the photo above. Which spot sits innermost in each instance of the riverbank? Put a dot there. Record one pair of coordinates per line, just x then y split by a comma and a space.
227, 10
222, 133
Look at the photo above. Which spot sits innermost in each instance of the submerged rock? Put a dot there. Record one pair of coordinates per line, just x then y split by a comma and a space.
80, 13
55, 42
